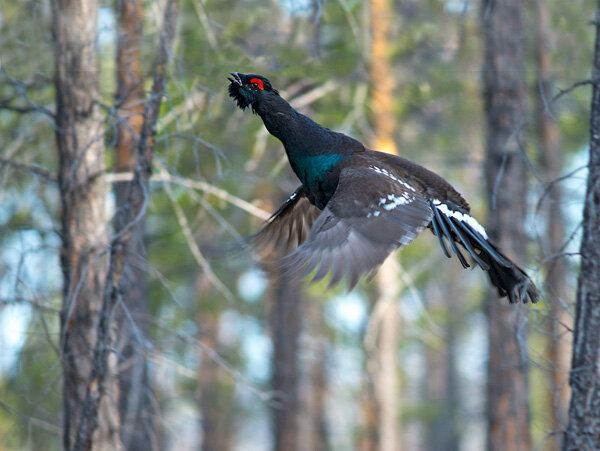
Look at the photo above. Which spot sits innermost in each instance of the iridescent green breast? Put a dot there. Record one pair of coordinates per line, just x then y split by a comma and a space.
313, 170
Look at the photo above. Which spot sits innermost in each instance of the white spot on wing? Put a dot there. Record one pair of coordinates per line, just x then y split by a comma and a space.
393, 177
463, 217
392, 201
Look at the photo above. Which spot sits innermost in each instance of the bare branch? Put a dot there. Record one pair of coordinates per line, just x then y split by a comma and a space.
21, 91
164, 176
31, 420
194, 248
36, 170
562, 92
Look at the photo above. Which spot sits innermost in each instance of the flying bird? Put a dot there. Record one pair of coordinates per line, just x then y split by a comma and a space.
355, 205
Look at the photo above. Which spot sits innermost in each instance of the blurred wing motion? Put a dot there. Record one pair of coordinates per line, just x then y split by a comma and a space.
353, 235
288, 227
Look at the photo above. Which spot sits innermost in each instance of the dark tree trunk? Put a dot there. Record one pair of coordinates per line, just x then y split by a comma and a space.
80, 139
313, 423
441, 385
368, 435
318, 380
215, 389
138, 425
285, 302
583, 430
556, 295
504, 96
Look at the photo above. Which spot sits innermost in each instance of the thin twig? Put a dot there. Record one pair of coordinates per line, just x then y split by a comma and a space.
194, 248
46, 175
164, 176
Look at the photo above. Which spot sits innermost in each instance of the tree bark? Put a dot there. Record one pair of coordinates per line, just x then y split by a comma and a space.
504, 96
285, 311
556, 295
138, 424
80, 140
583, 430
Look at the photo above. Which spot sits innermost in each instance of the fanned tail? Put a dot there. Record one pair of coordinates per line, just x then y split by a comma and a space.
460, 228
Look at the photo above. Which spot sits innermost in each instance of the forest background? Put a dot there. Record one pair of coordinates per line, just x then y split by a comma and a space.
118, 329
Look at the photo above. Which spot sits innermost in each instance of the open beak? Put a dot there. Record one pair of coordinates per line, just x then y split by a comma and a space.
236, 78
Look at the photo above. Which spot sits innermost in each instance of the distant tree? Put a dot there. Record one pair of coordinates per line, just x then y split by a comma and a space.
556, 290
315, 433
80, 142
285, 313
215, 390
505, 170
583, 430
441, 378
139, 430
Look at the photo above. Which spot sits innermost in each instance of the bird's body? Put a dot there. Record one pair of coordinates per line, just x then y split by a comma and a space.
356, 205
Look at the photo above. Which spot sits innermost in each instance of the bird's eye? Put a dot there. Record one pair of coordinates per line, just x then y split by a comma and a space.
257, 84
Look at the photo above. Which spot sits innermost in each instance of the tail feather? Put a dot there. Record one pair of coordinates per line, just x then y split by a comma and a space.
458, 227
511, 281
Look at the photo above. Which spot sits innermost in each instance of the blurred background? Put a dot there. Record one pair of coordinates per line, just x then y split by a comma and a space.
211, 352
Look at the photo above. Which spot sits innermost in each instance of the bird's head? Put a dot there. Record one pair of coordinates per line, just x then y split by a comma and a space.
249, 90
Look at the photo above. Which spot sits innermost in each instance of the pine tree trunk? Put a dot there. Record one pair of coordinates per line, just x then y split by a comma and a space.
583, 430
138, 424
80, 140
556, 295
504, 95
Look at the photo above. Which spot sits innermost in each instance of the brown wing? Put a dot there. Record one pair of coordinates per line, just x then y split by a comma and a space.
369, 215
288, 227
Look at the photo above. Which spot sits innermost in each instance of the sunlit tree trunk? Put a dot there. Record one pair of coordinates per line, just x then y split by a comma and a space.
383, 357
80, 140
556, 295
504, 96
138, 425
583, 431
382, 78
387, 381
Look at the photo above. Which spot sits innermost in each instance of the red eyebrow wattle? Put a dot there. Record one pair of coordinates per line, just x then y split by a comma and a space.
258, 82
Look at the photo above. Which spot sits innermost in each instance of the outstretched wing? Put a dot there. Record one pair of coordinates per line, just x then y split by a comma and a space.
369, 215
288, 227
